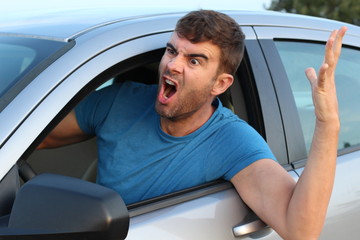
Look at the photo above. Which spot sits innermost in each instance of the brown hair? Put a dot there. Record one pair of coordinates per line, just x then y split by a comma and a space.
221, 30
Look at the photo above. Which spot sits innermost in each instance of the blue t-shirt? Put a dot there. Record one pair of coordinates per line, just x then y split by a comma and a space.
140, 161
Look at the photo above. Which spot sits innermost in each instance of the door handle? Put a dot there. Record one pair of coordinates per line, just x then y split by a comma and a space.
253, 226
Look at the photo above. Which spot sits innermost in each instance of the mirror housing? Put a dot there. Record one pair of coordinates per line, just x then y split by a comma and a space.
54, 205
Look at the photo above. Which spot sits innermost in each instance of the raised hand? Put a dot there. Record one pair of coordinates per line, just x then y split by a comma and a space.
323, 83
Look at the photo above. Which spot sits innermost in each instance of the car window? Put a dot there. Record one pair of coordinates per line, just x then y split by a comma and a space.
15, 59
20, 56
297, 56
61, 160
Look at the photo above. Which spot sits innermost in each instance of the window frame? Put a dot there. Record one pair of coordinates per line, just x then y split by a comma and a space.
290, 118
269, 112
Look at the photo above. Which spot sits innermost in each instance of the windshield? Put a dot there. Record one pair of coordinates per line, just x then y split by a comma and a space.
21, 59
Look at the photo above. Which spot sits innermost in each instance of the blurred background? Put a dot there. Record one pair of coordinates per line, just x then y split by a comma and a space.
343, 10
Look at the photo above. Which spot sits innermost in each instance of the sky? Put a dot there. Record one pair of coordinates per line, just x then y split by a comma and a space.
14, 6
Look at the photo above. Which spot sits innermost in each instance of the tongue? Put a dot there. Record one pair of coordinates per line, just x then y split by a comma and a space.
169, 91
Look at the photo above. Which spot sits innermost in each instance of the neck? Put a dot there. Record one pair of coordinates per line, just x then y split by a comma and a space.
185, 125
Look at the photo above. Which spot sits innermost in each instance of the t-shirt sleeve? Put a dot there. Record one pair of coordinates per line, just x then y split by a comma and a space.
92, 111
237, 145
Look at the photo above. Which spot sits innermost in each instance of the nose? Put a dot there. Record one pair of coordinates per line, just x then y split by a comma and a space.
175, 64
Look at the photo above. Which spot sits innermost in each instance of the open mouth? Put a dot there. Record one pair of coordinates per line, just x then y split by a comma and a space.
169, 89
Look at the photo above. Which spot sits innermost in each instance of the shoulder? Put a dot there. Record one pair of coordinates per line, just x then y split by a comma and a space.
228, 121
237, 134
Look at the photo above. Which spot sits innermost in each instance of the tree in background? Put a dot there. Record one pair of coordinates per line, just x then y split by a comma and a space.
343, 10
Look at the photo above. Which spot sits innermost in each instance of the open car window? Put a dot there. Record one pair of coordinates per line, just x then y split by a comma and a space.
80, 160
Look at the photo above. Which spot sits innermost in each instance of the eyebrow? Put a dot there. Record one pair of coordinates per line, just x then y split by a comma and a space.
189, 55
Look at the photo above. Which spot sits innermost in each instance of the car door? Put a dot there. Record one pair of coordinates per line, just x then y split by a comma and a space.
289, 51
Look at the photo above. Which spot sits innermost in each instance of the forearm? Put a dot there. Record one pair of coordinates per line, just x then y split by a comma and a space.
54, 142
65, 133
309, 203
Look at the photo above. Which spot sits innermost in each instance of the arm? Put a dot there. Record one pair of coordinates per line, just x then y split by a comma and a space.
65, 133
298, 210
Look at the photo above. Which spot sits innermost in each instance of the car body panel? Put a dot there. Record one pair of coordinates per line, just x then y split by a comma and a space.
192, 219
65, 25
199, 218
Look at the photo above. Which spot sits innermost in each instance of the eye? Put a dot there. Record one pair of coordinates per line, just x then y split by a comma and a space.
170, 51
194, 61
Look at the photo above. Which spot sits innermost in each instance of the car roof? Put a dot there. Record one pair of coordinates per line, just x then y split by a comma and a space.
65, 24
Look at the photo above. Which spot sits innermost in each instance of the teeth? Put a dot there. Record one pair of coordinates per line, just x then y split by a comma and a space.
169, 82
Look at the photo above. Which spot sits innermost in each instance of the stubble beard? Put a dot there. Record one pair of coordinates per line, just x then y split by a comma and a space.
185, 105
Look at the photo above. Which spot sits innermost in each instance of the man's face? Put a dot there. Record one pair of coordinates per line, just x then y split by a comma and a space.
187, 75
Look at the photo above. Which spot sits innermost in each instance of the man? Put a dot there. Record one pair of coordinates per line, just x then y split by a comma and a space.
190, 138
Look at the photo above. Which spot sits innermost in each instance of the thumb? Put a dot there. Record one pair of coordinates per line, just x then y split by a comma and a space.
311, 75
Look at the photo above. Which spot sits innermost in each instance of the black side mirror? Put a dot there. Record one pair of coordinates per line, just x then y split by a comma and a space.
52, 206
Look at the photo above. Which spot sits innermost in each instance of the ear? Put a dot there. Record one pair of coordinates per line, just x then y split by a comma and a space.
223, 82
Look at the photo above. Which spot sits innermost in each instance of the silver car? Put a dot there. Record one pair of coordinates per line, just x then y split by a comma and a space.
50, 62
